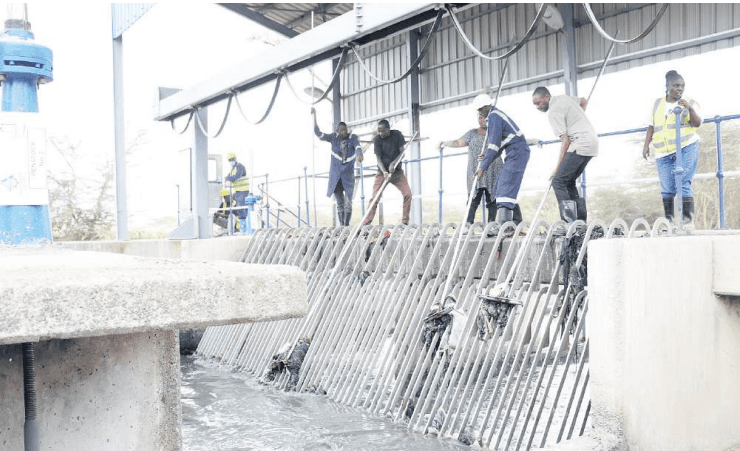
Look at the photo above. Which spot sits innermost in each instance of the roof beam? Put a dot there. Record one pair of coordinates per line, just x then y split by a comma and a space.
319, 44
242, 10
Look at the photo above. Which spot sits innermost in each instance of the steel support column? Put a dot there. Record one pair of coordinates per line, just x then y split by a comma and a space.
567, 10
119, 141
199, 176
336, 95
414, 112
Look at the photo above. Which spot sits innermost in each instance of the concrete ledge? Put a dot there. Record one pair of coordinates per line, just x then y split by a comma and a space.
56, 293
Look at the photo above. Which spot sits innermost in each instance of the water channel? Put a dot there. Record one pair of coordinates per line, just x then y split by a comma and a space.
230, 411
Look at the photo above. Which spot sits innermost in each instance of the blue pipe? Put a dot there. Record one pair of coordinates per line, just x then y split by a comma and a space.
679, 170
720, 174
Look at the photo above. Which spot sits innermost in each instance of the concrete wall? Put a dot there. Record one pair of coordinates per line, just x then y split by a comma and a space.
115, 392
665, 348
223, 248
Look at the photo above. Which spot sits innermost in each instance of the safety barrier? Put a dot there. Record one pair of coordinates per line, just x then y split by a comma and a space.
520, 383
363, 172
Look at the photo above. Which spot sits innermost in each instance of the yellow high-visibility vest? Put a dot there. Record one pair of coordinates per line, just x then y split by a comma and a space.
241, 184
664, 131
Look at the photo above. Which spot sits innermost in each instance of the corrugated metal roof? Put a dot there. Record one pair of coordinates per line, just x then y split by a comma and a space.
297, 16
123, 15
451, 74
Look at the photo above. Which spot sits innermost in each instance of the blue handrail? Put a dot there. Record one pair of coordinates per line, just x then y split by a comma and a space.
717, 120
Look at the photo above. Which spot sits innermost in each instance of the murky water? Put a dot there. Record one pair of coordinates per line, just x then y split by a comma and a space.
223, 410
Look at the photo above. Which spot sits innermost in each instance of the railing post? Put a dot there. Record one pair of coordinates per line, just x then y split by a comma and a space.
362, 190
440, 185
299, 201
720, 173
267, 193
679, 168
308, 216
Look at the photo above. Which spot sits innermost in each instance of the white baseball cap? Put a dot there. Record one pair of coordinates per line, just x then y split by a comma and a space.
481, 100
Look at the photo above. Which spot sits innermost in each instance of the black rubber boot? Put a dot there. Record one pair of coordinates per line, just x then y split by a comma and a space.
581, 212
517, 214
668, 205
504, 215
568, 210
688, 212
347, 217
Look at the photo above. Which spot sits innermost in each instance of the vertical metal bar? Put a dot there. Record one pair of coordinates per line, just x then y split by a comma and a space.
119, 140
720, 173
305, 178
679, 170
362, 190
299, 201
440, 186
267, 192
414, 127
30, 433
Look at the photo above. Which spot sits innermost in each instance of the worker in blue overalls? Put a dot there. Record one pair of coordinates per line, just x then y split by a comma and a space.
345, 148
505, 140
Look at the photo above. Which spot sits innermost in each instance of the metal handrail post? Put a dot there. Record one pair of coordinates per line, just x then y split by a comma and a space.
231, 212
483, 200
583, 184
362, 190
679, 168
268, 201
440, 185
720, 173
299, 202
308, 215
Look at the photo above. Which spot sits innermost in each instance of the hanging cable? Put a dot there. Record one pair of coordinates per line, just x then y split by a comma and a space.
601, 31
223, 123
413, 66
190, 118
530, 32
333, 80
269, 107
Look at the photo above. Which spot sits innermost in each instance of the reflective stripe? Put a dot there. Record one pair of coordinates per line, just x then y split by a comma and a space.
664, 127
500, 200
493, 147
340, 158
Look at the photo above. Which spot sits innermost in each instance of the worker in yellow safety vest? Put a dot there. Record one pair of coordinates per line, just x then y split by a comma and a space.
240, 185
661, 133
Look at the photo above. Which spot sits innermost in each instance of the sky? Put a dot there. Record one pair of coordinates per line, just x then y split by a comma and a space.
180, 44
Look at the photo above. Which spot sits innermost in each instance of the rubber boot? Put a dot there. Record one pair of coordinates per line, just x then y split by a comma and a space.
568, 210
517, 217
504, 215
668, 205
491, 213
347, 216
688, 213
581, 212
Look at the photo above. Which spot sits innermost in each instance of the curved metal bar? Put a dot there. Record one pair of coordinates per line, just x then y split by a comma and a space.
334, 79
190, 118
636, 224
269, 107
223, 122
657, 227
618, 223
582, 253
595, 22
530, 32
413, 65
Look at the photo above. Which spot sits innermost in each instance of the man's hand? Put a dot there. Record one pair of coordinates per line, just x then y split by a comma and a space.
584, 103
387, 175
534, 142
359, 157
313, 111
479, 173
646, 151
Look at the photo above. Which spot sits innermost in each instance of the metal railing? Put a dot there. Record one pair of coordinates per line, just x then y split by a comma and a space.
303, 218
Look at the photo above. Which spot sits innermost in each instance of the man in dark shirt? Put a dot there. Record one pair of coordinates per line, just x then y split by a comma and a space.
389, 145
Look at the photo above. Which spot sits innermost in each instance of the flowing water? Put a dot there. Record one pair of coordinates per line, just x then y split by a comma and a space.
223, 410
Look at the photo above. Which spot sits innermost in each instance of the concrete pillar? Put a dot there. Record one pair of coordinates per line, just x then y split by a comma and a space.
414, 175
199, 175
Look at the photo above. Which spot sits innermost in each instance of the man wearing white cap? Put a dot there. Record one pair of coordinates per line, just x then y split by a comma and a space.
474, 140
505, 140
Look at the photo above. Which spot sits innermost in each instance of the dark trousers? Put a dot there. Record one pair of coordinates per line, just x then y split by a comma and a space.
564, 182
344, 204
241, 197
490, 205
398, 179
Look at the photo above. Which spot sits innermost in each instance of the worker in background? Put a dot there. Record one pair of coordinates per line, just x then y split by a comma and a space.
345, 148
578, 144
389, 146
505, 141
240, 184
474, 139
661, 133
